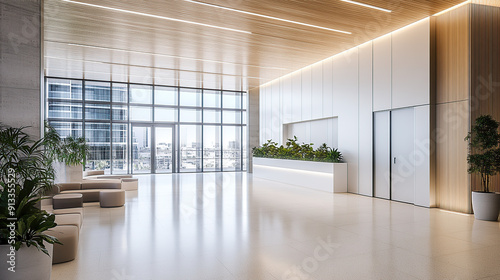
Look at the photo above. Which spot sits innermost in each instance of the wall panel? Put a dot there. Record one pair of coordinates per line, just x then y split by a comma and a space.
327, 88
485, 70
365, 176
286, 95
411, 65
317, 91
296, 97
307, 93
382, 73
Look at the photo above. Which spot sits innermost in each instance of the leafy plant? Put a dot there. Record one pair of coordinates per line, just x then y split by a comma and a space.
31, 222
484, 153
293, 150
70, 150
25, 175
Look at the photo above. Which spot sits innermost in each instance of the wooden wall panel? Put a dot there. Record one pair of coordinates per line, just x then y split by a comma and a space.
485, 69
452, 48
452, 109
452, 180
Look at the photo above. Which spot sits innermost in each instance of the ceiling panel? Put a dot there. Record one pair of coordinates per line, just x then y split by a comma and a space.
122, 40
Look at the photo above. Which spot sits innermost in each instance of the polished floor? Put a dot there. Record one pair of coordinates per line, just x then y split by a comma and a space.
232, 226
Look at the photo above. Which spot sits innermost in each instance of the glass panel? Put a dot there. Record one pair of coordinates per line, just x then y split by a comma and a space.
64, 89
244, 101
120, 93
141, 150
97, 91
211, 116
66, 129
231, 100
190, 115
190, 97
190, 145
244, 117
211, 148
211, 98
166, 96
164, 149
65, 110
231, 148
99, 141
141, 94
97, 112
231, 117
140, 113
165, 114
120, 112
120, 148
244, 146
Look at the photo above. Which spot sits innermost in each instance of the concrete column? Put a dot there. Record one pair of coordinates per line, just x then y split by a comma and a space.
253, 124
20, 64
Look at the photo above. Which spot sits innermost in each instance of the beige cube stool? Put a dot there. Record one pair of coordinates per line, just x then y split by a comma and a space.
112, 198
69, 220
68, 235
62, 201
130, 184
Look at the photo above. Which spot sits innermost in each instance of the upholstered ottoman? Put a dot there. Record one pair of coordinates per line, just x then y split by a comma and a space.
68, 235
112, 198
69, 220
62, 201
130, 184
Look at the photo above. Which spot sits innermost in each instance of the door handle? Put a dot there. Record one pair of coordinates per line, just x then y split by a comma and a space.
394, 160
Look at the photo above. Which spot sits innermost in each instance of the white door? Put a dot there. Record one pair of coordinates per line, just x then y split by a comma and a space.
402, 152
382, 154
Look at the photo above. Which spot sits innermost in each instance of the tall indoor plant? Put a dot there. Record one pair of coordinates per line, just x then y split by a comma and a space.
24, 176
67, 155
484, 159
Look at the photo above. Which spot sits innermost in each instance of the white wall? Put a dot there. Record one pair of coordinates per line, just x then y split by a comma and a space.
316, 132
387, 73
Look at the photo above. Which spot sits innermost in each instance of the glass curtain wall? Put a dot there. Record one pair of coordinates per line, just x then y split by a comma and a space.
207, 126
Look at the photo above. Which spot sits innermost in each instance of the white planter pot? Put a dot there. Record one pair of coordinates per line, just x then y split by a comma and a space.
322, 176
486, 206
68, 174
30, 263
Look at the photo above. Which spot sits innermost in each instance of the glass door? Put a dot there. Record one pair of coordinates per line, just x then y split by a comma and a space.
164, 149
141, 149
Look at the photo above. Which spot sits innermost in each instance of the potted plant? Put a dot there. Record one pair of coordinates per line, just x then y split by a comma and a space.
25, 176
483, 158
66, 155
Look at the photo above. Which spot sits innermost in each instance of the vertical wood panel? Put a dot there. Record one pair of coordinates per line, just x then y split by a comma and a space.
485, 70
452, 109
452, 59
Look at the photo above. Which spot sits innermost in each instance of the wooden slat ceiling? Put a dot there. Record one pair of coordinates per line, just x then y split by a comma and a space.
124, 46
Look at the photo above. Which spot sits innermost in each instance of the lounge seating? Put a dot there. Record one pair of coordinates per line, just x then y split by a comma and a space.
89, 189
112, 198
69, 236
70, 200
128, 182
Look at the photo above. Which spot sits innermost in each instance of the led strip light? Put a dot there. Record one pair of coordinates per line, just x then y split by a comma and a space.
156, 16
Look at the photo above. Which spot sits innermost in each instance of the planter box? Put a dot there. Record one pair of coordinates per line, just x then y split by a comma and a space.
322, 176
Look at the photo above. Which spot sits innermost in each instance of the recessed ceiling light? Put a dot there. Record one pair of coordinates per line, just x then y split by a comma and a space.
156, 16
166, 55
269, 17
366, 5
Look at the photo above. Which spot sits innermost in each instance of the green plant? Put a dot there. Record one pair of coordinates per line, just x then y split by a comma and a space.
293, 150
26, 175
70, 150
484, 154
